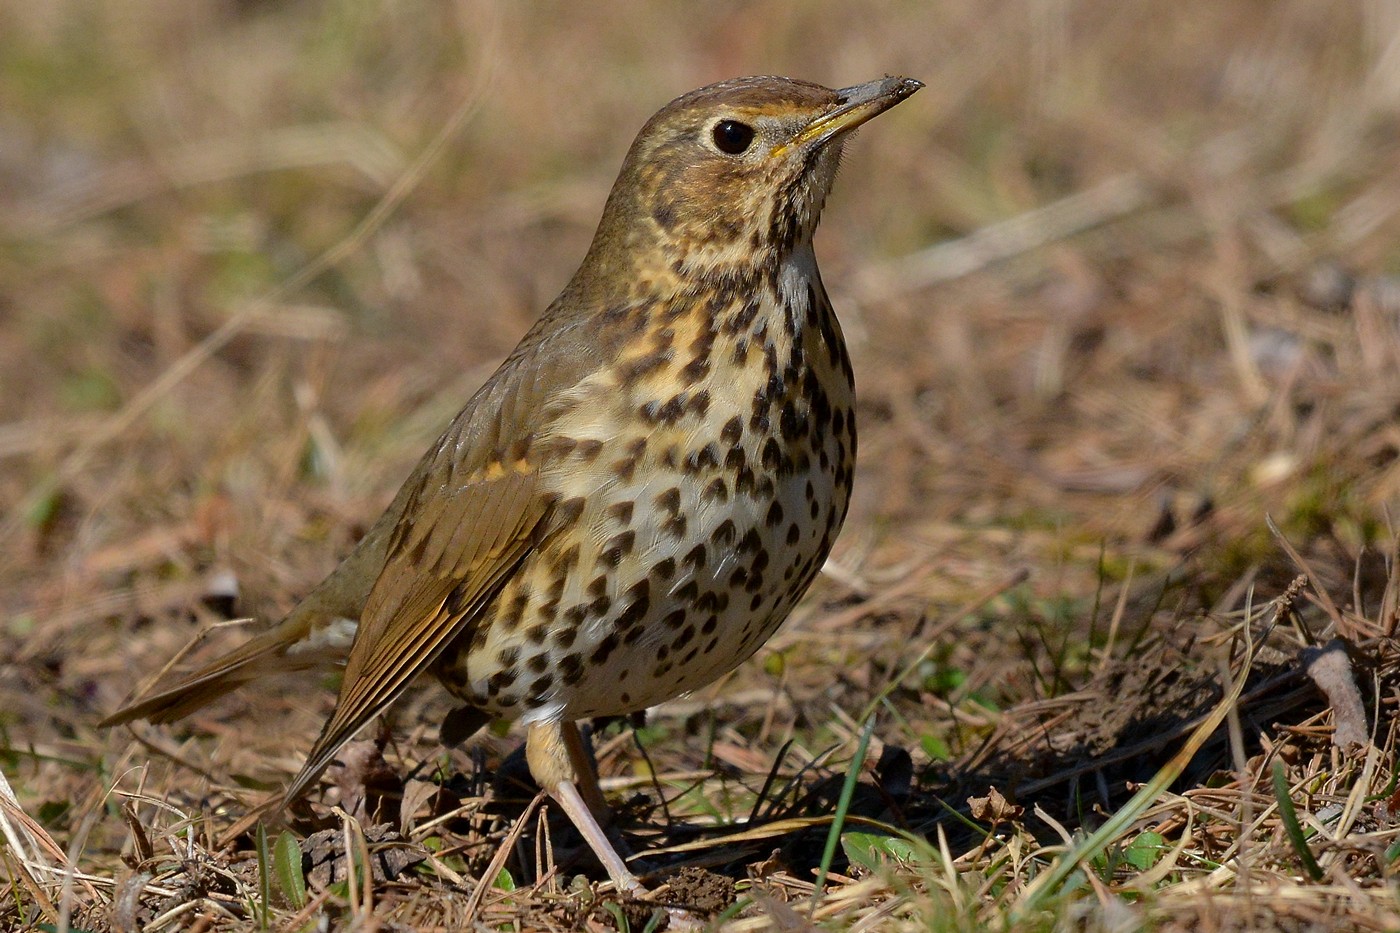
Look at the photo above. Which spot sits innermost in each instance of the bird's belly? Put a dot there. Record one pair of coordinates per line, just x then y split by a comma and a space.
672, 573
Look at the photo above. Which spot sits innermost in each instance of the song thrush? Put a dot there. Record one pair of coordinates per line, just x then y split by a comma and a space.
642, 491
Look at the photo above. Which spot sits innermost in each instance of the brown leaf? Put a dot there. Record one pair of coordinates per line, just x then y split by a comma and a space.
994, 808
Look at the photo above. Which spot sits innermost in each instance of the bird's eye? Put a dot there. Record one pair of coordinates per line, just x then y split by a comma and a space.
732, 137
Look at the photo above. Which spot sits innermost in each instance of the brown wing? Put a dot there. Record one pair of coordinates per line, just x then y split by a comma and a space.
474, 514
473, 543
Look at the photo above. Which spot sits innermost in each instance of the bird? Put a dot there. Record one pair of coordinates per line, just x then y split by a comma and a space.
643, 490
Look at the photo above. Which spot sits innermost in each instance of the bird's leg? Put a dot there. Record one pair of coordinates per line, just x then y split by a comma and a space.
587, 772
560, 765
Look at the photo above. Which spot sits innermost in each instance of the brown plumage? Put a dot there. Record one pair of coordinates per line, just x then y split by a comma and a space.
642, 491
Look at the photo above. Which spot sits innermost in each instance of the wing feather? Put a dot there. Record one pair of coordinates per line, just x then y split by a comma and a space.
415, 612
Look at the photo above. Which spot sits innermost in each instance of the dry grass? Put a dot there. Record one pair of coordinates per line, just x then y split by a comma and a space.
1120, 284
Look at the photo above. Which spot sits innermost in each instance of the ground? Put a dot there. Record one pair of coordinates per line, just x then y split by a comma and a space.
1106, 643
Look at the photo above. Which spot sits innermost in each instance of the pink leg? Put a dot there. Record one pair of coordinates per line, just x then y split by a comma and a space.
558, 762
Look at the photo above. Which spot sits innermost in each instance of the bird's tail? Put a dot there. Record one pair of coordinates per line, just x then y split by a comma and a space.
316, 635
296, 644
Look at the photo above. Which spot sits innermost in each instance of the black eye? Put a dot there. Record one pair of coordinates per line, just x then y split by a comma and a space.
732, 137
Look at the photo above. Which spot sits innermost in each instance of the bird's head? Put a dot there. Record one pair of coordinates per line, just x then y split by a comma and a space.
735, 173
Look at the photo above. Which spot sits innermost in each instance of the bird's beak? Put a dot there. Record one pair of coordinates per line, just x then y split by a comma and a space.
857, 105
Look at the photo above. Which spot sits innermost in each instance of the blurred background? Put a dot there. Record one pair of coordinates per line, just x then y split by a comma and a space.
1118, 283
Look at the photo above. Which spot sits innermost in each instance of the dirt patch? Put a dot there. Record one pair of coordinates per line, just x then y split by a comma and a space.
700, 891
1119, 727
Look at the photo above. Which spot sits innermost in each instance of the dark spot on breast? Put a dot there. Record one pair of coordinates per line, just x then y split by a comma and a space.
790, 424
688, 592
699, 404
626, 468
716, 491
670, 500
774, 517
571, 669
674, 619
735, 459
605, 649
772, 454
560, 447
695, 370
621, 512
664, 569
617, 547
822, 413
674, 526
704, 341
732, 431
668, 413
633, 370
794, 534
694, 559
705, 457
724, 534
537, 664
515, 609
635, 613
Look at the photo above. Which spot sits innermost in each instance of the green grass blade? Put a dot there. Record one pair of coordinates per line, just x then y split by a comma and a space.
848, 789
1291, 826
264, 877
286, 863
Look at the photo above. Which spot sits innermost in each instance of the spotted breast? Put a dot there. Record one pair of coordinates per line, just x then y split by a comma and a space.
698, 485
